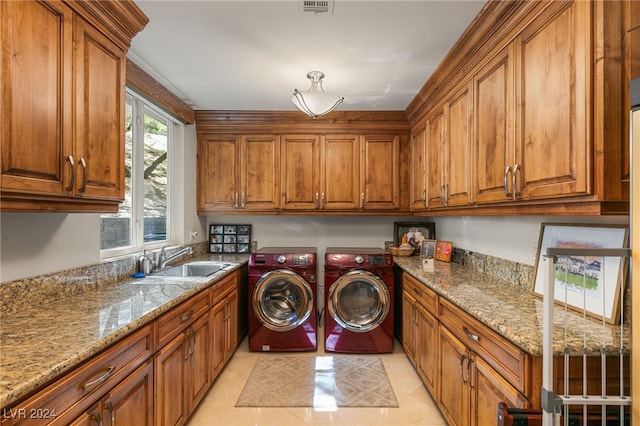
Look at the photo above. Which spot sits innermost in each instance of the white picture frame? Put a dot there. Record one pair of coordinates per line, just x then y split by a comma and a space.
592, 285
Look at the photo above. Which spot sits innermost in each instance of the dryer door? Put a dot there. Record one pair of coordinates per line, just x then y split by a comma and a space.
282, 300
359, 301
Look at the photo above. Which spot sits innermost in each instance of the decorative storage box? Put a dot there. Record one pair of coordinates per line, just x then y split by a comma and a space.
229, 239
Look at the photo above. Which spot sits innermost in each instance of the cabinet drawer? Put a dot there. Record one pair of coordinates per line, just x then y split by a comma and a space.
179, 318
220, 289
503, 356
68, 397
423, 294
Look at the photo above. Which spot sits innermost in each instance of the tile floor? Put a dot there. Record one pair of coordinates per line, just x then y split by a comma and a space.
416, 407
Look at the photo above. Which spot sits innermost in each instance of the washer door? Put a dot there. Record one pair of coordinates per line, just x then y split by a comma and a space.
359, 301
282, 300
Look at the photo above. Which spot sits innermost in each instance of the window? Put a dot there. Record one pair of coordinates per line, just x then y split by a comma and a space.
143, 219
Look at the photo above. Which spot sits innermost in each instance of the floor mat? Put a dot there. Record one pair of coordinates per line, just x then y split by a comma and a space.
321, 382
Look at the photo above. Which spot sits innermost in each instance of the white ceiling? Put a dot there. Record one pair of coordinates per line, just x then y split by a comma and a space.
250, 55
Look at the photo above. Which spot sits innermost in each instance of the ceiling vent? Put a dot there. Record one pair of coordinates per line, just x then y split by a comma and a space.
316, 6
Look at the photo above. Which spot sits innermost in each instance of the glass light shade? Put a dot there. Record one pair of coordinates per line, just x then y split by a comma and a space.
315, 102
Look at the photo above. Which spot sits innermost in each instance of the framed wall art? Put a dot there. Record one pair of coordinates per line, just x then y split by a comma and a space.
428, 248
586, 283
444, 250
230, 239
414, 233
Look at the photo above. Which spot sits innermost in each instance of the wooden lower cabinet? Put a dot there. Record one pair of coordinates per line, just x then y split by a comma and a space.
224, 323
470, 389
420, 331
129, 403
427, 347
182, 377
155, 376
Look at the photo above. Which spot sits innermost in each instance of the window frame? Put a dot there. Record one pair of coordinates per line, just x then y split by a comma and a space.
142, 106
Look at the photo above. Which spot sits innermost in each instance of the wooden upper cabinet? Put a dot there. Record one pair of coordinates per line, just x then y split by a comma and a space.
436, 141
238, 172
553, 98
418, 182
380, 172
494, 128
339, 172
99, 75
217, 171
300, 172
37, 40
63, 83
260, 172
320, 172
456, 155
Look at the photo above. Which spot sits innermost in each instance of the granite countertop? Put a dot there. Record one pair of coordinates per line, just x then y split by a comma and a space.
514, 312
40, 343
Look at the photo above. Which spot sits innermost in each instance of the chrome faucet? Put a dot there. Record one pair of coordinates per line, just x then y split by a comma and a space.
163, 259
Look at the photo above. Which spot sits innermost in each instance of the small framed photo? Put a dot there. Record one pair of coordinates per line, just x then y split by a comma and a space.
229, 239
591, 284
428, 249
413, 233
444, 250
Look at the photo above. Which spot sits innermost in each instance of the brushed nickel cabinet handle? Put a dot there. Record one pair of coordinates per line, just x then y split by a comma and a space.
446, 194
96, 418
112, 413
316, 202
72, 181
186, 316
516, 169
462, 361
362, 200
235, 202
470, 334
322, 201
83, 163
242, 202
103, 378
506, 182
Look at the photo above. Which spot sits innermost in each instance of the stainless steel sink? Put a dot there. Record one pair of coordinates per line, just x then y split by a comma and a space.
193, 269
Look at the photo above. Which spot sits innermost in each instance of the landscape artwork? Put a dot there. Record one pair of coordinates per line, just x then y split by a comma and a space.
587, 283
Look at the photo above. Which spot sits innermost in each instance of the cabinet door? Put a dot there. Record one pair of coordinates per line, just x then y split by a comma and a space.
494, 128
131, 401
198, 344
457, 152
218, 342
260, 175
380, 172
99, 75
419, 170
554, 97
171, 379
454, 396
488, 390
35, 116
340, 172
436, 141
217, 171
232, 323
409, 325
301, 172
427, 348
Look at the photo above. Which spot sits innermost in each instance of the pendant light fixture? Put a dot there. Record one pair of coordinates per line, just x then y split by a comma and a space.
315, 102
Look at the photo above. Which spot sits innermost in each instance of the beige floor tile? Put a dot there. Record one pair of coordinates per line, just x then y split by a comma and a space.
416, 407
